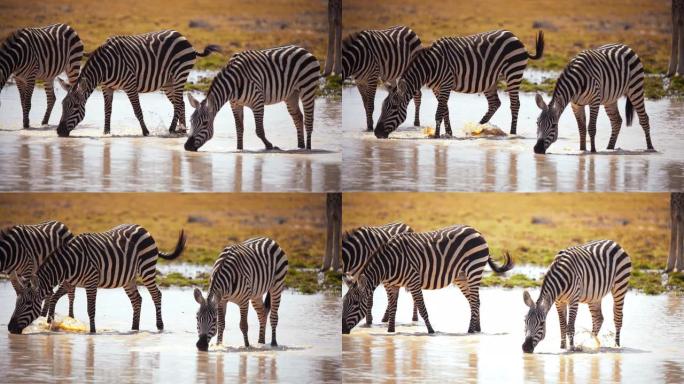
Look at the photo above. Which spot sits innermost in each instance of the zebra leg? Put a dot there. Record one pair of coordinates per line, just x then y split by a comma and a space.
46, 305
169, 92
615, 123
442, 106
563, 320
493, 102
367, 91
25, 92
578, 110
593, 115
258, 305
473, 296
275, 304
244, 307
596, 317
91, 295
515, 108
135, 102
50, 94
156, 294
221, 322
619, 293
390, 291
415, 313
572, 314
258, 112
239, 127
72, 297
54, 299
417, 294
369, 315
108, 94
638, 103
416, 99
136, 301
392, 309
308, 101
292, 103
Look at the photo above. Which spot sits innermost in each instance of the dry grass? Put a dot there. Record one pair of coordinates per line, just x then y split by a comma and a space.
569, 26
296, 221
533, 227
235, 25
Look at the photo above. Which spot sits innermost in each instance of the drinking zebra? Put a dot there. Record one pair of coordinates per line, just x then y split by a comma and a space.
244, 272
255, 79
41, 53
111, 259
580, 274
23, 248
595, 77
428, 260
468, 64
134, 64
383, 55
358, 246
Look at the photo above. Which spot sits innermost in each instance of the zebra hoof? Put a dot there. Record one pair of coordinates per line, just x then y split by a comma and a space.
262, 341
274, 343
431, 331
414, 319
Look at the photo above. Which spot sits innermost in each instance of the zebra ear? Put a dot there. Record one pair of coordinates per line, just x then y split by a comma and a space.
64, 84
193, 102
528, 299
17, 281
540, 102
348, 280
198, 297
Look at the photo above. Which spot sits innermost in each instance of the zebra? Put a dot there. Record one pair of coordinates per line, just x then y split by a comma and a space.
41, 53
242, 273
358, 246
595, 77
111, 259
428, 260
254, 79
383, 55
23, 248
468, 64
579, 274
134, 64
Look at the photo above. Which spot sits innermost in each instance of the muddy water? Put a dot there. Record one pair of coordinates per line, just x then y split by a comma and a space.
652, 343
37, 160
308, 334
410, 161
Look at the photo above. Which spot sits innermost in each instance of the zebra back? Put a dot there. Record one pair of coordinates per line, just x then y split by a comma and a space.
359, 244
23, 248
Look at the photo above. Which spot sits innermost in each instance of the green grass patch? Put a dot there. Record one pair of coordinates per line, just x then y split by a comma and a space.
330, 87
177, 279
306, 281
202, 84
517, 280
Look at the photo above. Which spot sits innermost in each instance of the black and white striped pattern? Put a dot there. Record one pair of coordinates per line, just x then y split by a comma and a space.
373, 56
134, 64
595, 77
42, 53
255, 79
243, 273
581, 274
23, 248
358, 246
417, 261
112, 259
468, 64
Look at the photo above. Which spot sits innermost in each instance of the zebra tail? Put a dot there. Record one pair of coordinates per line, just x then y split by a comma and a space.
208, 50
629, 112
180, 246
507, 266
267, 303
539, 47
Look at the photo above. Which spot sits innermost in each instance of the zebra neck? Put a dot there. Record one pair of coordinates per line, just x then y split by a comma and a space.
549, 294
51, 273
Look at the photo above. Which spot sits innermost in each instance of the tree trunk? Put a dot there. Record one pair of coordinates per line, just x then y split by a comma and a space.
675, 261
333, 61
333, 236
677, 48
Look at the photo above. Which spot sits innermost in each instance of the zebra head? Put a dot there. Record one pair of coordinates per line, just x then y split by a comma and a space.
73, 108
201, 123
206, 319
547, 125
29, 299
535, 323
393, 109
355, 303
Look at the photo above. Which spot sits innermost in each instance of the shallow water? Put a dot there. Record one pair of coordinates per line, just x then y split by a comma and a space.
37, 160
308, 334
410, 161
652, 343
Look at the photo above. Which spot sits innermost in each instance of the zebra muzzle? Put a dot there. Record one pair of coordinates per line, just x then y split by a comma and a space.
13, 328
203, 343
539, 147
190, 145
528, 346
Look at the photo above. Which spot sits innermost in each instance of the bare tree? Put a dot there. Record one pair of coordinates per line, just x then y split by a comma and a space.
333, 236
675, 261
677, 51
333, 62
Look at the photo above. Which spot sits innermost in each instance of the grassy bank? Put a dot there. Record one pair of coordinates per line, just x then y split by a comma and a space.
533, 227
234, 25
211, 221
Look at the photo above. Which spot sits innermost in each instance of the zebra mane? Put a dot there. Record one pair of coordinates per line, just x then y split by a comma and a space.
6, 229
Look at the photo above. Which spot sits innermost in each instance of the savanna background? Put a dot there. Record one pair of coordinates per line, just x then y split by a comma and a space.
534, 227
211, 222
569, 27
